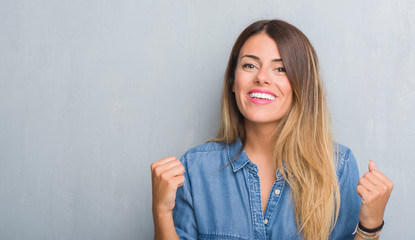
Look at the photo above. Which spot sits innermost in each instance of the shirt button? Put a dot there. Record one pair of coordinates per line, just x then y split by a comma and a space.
266, 221
277, 192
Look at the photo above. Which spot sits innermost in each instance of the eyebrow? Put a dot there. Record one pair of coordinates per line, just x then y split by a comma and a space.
257, 58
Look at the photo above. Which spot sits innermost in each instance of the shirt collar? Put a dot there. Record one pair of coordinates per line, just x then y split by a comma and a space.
242, 160
233, 150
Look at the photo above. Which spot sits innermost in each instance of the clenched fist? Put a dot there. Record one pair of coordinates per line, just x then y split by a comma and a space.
167, 176
374, 188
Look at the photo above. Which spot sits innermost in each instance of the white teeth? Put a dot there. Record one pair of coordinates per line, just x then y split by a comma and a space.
262, 96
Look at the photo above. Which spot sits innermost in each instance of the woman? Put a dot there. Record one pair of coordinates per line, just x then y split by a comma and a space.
273, 171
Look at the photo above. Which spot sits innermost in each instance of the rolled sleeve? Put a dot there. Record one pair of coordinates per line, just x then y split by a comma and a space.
183, 213
348, 175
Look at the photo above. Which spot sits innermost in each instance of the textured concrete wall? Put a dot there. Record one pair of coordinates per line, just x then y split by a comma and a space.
92, 92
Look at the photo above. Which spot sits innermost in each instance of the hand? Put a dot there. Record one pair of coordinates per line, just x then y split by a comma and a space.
374, 188
167, 176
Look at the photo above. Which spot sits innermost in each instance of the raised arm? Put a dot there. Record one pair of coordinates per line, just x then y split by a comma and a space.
167, 176
374, 188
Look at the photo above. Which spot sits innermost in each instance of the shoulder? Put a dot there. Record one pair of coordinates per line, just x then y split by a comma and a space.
345, 159
207, 147
211, 153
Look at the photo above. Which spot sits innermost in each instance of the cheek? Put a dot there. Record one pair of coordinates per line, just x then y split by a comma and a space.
287, 89
236, 85
240, 80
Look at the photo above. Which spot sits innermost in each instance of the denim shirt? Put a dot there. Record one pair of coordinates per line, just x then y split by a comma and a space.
226, 204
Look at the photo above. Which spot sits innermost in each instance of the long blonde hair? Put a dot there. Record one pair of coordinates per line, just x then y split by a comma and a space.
303, 138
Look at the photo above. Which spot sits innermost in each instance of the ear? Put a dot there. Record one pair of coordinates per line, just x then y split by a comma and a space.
233, 87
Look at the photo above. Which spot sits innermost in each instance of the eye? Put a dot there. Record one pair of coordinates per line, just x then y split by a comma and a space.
248, 66
280, 70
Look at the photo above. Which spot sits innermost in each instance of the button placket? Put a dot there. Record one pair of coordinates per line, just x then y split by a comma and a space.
253, 184
273, 202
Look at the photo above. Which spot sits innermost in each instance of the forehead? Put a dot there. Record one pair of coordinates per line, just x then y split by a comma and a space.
260, 45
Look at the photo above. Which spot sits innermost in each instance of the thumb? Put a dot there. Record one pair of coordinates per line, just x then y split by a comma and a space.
372, 165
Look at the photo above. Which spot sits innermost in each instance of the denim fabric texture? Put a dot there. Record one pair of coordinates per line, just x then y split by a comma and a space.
226, 204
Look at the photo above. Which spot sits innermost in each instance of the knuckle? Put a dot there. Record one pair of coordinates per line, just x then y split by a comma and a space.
157, 172
154, 166
164, 177
171, 158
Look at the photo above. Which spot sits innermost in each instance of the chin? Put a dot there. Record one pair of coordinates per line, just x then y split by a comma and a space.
261, 120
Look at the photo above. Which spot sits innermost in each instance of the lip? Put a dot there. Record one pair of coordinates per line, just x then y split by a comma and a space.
261, 101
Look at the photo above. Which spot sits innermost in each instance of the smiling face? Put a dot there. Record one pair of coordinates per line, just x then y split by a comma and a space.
262, 90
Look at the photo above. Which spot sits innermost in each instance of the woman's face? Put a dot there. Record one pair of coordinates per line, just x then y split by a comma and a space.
262, 90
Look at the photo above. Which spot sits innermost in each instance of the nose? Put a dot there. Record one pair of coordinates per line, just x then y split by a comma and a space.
263, 77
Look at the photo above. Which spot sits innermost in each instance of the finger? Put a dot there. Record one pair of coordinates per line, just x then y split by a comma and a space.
368, 185
163, 168
162, 161
372, 165
373, 178
176, 182
362, 191
380, 187
180, 180
380, 178
173, 172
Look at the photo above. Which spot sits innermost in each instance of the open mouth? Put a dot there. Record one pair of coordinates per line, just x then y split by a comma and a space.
262, 96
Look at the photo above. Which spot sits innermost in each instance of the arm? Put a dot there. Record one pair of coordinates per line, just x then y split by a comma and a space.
167, 176
164, 227
374, 188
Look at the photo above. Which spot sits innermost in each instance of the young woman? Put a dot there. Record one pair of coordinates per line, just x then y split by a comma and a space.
273, 171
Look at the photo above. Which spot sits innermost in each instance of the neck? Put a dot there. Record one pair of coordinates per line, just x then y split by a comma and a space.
259, 141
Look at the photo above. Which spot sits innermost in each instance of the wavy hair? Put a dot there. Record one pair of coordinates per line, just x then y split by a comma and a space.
303, 139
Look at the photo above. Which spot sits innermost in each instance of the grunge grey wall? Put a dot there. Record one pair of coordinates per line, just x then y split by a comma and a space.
92, 92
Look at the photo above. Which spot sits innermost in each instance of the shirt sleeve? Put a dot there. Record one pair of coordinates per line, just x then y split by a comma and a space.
348, 174
183, 213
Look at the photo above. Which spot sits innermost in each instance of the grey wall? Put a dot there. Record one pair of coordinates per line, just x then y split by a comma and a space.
92, 92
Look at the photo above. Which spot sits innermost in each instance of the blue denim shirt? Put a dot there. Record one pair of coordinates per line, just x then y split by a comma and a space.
226, 204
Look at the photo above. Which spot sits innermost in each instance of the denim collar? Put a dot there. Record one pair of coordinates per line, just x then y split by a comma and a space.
233, 150
236, 148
